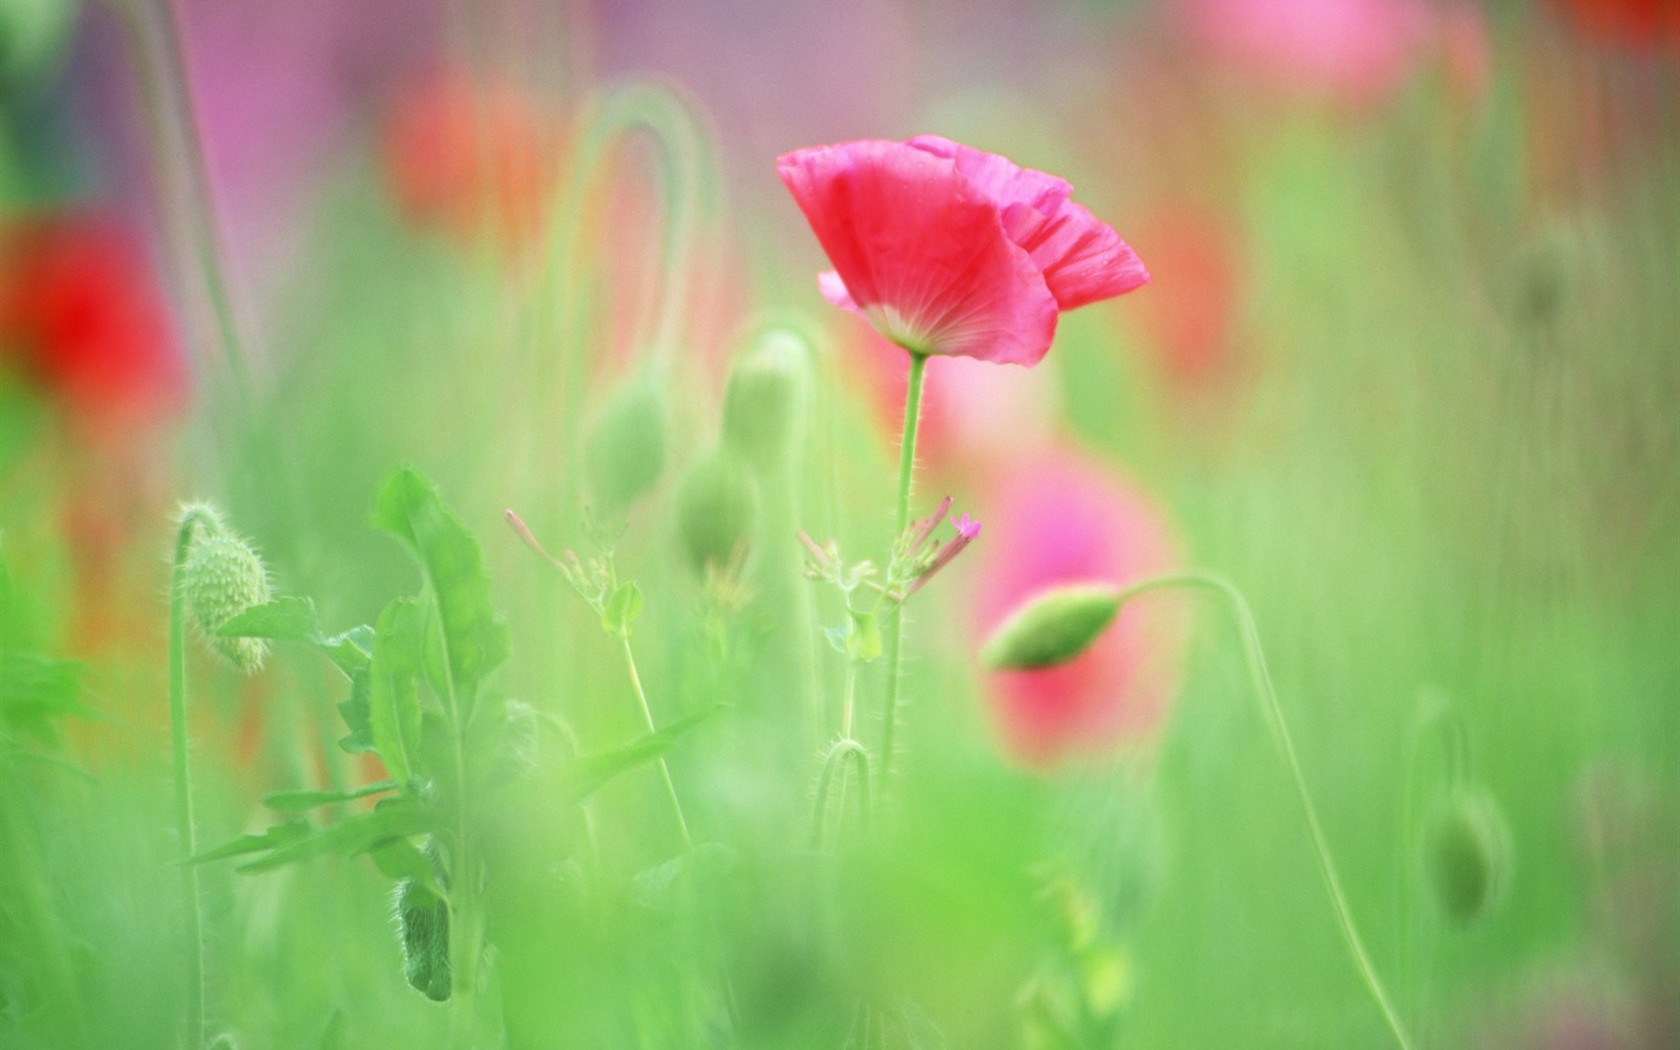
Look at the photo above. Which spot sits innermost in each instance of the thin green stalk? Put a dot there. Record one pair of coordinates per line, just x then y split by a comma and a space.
895, 632
192, 903
647, 720
1261, 681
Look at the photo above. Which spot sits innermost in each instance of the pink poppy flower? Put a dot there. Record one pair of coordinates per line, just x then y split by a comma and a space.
949, 250
1059, 518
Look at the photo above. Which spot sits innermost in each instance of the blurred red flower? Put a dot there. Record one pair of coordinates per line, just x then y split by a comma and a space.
1059, 518
81, 316
1190, 313
949, 250
472, 158
1638, 24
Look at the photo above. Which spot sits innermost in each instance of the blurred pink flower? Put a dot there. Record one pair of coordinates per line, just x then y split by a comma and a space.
949, 250
1059, 518
1356, 49
974, 415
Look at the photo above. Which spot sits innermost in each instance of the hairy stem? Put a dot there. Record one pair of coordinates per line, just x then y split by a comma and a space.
843, 751
1266, 695
895, 631
191, 900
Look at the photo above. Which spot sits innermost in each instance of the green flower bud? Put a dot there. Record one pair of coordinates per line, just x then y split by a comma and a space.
1051, 628
764, 401
221, 578
1467, 851
715, 510
624, 453
423, 930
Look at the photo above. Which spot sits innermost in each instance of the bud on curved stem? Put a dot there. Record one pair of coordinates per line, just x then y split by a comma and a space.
1264, 693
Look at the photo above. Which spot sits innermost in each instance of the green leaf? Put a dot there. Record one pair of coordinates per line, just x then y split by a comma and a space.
356, 714
350, 650
394, 687
408, 507
1051, 628
863, 642
584, 775
621, 609
837, 639
393, 819
298, 801
278, 836
290, 619
35, 690
401, 859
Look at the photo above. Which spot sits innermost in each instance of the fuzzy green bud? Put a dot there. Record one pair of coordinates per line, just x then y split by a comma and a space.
221, 578
423, 930
764, 402
1052, 628
624, 453
715, 510
1468, 855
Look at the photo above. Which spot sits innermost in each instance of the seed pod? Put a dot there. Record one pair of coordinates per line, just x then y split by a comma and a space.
715, 511
221, 578
624, 453
1051, 628
423, 930
1468, 855
765, 398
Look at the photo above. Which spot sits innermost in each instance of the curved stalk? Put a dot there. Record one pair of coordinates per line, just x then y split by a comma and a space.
842, 752
1266, 695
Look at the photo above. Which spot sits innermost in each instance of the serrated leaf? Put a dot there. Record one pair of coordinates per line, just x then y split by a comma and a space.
621, 609
289, 619
354, 709
394, 687
298, 801
275, 837
584, 775
401, 859
393, 819
1051, 628
349, 650
408, 507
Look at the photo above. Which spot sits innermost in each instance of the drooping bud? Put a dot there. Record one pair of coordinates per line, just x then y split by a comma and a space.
715, 510
222, 577
1052, 628
624, 453
1468, 855
764, 402
423, 930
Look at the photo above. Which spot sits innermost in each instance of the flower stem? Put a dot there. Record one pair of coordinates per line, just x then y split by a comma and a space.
647, 720
192, 904
895, 632
1261, 680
